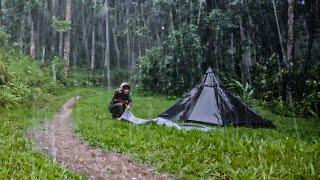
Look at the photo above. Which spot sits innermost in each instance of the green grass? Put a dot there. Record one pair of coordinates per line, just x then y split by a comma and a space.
291, 151
18, 159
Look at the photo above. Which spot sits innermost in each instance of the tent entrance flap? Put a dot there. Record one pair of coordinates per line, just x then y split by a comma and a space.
206, 109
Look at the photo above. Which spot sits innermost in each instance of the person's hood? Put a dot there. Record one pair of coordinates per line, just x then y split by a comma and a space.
121, 88
124, 84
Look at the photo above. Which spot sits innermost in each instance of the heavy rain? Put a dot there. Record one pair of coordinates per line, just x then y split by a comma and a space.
159, 89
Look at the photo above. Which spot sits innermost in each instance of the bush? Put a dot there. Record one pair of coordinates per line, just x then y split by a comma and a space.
14, 93
310, 103
151, 72
5, 76
269, 87
57, 72
21, 79
4, 37
176, 68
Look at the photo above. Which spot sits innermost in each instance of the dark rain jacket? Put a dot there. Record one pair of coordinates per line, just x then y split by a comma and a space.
120, 97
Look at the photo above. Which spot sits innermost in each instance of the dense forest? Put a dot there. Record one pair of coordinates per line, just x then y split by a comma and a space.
268, 50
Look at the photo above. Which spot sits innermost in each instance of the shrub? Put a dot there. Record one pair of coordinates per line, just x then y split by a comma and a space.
5, 76
4, 37
151, 72
21, 79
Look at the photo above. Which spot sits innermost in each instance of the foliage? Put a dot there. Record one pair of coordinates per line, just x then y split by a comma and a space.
4, 37
13, 94
268, 83
219, 20
245, 91
21, 79
152, 73
61, 25
172, 73
268, 78
76, 77
32, 4
5, 76
311, 101
57, 72
229, 153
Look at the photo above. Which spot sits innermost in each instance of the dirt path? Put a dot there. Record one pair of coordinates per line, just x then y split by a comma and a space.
60, 141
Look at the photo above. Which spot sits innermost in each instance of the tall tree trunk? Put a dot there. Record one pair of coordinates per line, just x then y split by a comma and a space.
232, 51
93, 49
199, 11
32, 38
145, 25
290, 42
279, 31
140, 17
100, 43
251, 44
54, 34
245, 64
74, 54
158, 37
44, 31
0, 12
116, 46
22, 28
216, 49
54, 71
128, 39
171, 21
139, 47
190, 10
61, 44
133, 60
114, 34
84, 32
93, 38
107, 52
66, 55
317, 10
290, 46
38, 30
311, 26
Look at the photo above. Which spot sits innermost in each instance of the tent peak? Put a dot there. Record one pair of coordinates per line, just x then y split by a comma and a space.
209, 70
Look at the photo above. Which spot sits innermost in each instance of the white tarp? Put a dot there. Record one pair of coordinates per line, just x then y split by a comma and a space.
129, 117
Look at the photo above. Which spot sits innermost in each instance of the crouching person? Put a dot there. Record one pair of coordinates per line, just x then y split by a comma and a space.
120, 101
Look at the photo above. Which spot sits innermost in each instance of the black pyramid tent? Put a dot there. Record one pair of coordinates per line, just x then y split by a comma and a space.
210, 103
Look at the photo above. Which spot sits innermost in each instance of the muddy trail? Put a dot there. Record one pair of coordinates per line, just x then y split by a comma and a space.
58, 139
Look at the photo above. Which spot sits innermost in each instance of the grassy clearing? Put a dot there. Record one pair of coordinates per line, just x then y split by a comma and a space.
18, 160
290, 151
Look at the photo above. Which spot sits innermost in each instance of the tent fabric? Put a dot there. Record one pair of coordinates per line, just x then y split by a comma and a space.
187, 127
210, 103
129, 117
